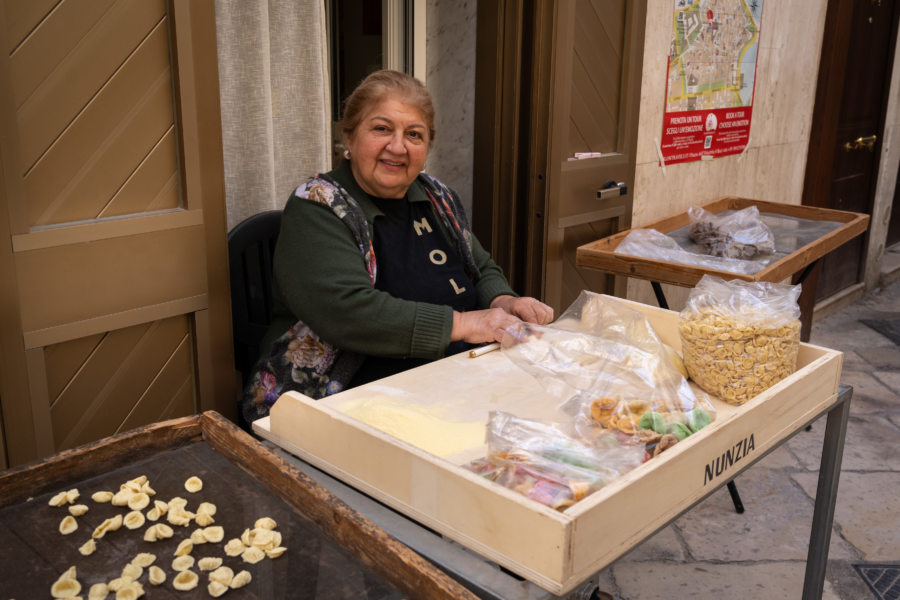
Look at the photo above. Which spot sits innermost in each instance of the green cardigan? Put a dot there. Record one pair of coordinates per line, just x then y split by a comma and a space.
321, 279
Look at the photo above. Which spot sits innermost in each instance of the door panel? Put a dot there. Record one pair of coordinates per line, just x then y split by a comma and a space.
109, 277
596, 75
153, 186
574, 278
119, 127
114, 378
598, 52
63, 361
21, 18
115, 295
50, 41
113, 55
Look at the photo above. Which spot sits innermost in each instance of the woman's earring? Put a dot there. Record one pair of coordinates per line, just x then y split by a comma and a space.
347, 154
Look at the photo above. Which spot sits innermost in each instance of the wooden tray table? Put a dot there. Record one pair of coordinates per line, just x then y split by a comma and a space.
600, 254
555, 550
333, 551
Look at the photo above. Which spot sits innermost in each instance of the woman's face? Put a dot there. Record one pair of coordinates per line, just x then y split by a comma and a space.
388, 148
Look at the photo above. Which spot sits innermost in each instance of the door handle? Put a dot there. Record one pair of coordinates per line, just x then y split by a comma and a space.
612, 189
859, 143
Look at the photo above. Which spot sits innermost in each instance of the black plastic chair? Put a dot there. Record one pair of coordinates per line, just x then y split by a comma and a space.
251, 244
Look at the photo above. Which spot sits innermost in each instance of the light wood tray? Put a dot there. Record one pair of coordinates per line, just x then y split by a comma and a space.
555, 550
600, 254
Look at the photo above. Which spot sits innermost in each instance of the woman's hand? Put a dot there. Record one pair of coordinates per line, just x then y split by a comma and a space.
506, 312
479, 326
530, 310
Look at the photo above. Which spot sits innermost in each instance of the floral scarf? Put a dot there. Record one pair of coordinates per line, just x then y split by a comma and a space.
300, 360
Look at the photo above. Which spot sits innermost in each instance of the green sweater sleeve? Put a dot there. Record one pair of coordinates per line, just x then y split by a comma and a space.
322, 280
492, 282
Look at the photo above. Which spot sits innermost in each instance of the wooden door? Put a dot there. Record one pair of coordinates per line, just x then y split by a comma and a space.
848, 124
597, 63
115, 309
555, 79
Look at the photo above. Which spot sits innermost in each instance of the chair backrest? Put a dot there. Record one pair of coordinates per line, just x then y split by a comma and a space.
251, 244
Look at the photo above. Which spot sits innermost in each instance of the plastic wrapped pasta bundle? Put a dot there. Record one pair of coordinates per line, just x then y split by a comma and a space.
543, 462
650, 243
612, 373
739, 338
741, 234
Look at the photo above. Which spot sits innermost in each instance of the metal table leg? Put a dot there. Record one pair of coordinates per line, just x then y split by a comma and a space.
826, 495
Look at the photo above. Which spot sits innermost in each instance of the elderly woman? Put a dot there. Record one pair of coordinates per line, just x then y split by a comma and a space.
376, 268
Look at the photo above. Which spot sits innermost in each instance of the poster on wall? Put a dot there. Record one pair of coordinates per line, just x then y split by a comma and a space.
711, 77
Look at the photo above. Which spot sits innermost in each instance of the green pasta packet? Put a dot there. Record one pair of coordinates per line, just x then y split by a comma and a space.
698, 419
679, 430
653, 420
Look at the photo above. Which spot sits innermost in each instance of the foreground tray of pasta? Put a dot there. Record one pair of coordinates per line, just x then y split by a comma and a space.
234, 488
423, 476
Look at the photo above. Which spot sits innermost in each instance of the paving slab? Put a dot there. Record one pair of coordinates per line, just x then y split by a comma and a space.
866, 514
870, 394
845, 581
877, 357
872, 443
713, 581
780, 458
847, 335
891, 380
666, 545
853, 360
775, 525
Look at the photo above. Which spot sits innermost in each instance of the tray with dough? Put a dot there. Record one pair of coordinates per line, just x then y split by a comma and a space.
403, 440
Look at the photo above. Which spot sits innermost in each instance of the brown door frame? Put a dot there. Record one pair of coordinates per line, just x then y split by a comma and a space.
199, 115
512, 83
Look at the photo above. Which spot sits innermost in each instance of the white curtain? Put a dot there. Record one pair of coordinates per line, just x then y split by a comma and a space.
273, 82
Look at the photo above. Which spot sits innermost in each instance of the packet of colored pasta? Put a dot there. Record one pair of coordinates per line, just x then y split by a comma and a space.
542, 461
612, 373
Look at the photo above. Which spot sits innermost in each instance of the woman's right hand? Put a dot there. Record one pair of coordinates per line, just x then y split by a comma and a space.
479, 326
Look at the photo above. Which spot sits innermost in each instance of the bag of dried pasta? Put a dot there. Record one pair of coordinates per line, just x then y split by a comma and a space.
739, 337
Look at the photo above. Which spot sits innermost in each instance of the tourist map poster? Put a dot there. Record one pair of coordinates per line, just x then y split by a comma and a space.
711, 76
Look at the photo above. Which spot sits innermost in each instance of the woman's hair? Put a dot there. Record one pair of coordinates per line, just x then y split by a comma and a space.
379, 85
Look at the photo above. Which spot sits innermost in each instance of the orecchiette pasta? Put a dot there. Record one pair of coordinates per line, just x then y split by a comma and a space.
208, 563
736, 360
68, 525
182, 563
156, 576
240, 579
185, 580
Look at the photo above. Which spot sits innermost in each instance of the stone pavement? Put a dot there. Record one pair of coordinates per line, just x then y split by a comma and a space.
713, 553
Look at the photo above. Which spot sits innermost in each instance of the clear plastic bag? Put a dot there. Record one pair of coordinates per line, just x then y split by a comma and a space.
739, 337
740, 235
650, 243
541, 461
611, 372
